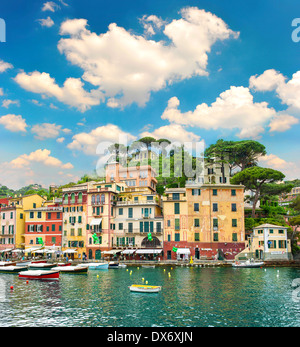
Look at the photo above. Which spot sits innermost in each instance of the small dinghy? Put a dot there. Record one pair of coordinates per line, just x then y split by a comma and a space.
149, 266
41, 266
248, 264
113, 265
144, 288
39, 275
12, 269
78, 269
97, 266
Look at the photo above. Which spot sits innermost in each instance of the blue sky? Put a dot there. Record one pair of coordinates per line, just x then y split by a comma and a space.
74, 74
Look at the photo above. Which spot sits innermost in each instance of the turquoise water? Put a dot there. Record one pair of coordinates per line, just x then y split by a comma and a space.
191, 297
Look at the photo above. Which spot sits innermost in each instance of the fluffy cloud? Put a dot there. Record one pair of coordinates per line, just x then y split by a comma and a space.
89, 142
4, 66
50, 6
37, 167
72, 92
233, 109
47, 130
282, 123
39, 156
288, 92
128, 67
172, 132
7, 102
48, 22
13, 123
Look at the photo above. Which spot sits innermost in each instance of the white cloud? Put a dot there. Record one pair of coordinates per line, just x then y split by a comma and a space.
88, 142
47, 130
233, 109
5, 66
274, 162
72, 92
48, 22
50, 6
40, 156
13, 123
282, 123
288, 92
37, 167
128, 67
6, 103
60, 140
172, 132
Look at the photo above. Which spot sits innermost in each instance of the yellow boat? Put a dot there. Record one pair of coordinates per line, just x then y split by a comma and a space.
144, 288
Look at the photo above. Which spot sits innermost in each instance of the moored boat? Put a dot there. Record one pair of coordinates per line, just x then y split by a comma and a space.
41, 266
8, 263
97, 266
39, 275
141, 288
78, 269
149, 266
64, 264
113, 265
12, 269
248, 264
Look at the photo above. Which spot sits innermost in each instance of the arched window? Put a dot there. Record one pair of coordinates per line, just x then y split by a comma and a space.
93, 199
73, 198
150, 244
66, 198
79, 198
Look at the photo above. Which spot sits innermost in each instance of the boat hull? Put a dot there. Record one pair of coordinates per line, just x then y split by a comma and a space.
41, 266
248, 265
98, 266
72, 269
144, 288
12, 269
39, 275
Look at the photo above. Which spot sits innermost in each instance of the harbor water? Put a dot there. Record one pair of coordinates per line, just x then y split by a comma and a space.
190, 297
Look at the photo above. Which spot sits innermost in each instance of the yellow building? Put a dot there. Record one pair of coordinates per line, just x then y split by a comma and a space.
13, 220
204, 221
267, 242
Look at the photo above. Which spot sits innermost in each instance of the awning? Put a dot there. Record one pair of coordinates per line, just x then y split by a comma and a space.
128, 251
70, 251
96, 221
31, 249
113, 251
183, 251
148, 251
6, 250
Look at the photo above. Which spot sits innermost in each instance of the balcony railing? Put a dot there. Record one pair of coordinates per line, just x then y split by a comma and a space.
137, 202
138, 231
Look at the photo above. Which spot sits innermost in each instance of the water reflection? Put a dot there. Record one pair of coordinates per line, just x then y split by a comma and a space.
189, 297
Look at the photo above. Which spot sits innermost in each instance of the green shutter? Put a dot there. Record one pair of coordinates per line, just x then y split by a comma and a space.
141, 227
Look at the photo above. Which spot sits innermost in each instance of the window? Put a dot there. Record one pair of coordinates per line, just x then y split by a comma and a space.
130, 212
176, 196
197, 237
72, 232
31, 215
73, 198
79, 219
177, 224
234, 223
196, 191
233, 192
49, 215
215, 207
196, 207
53, 227
234, 236
57, 215
34, 205
65, 198
215, 192
120, 226
196, 222
176, 208
158, 227
130, 227
39, 214
141, 227
11, 215
215, 224
79, 198
177, 237
216, 237
281, 244
169, 238
272, 243
79, 232
53, 239
47, 228
233, 207
98, 199
21, 215
149, 198
280, 231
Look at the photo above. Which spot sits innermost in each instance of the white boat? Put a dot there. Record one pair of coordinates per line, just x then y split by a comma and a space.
41, 266
78, 269
12, 269
141, 288
248, 264
97, 266
123, 266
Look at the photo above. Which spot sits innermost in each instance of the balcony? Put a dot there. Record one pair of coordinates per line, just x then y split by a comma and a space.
137, 202
138, 231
